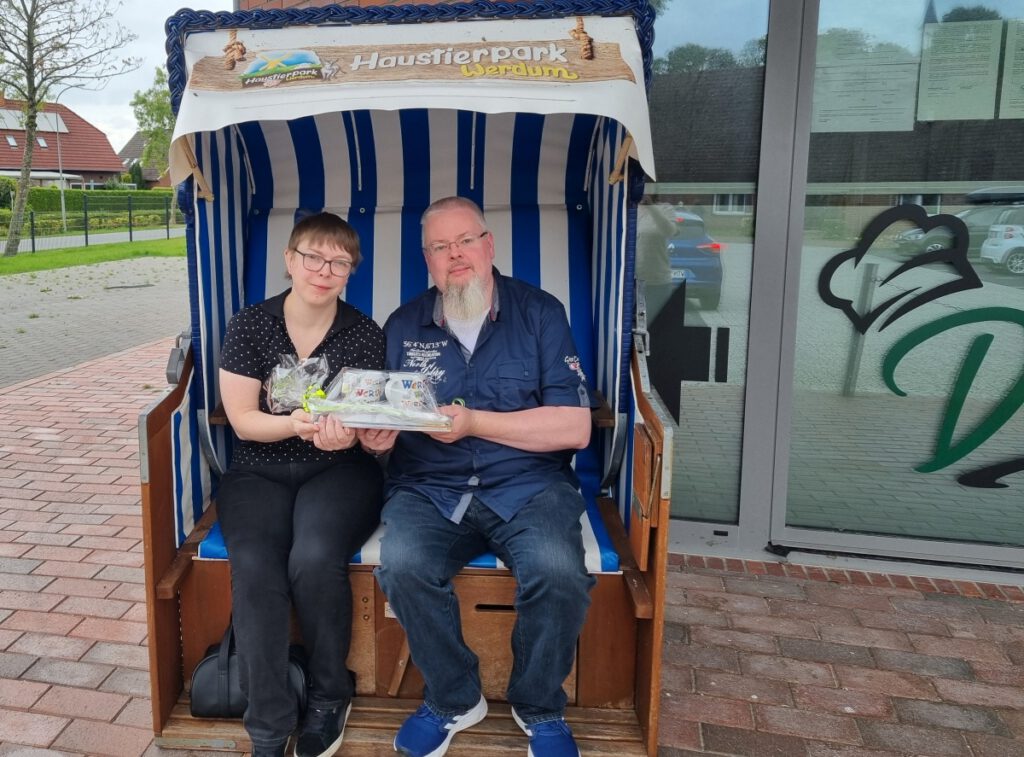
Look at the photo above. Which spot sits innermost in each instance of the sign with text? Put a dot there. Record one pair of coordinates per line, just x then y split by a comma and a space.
551, 61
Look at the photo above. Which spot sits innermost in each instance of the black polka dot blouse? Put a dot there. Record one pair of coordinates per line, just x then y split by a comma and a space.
256, 338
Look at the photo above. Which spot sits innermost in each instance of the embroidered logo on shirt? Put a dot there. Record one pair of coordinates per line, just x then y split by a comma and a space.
573, 362
421, 357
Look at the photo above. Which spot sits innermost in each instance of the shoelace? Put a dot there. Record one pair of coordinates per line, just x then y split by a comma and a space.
549, 728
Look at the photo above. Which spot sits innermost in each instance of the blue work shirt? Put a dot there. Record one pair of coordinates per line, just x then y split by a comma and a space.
525, 357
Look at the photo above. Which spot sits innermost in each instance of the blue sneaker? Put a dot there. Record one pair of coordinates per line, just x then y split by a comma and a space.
424, 734
551, 738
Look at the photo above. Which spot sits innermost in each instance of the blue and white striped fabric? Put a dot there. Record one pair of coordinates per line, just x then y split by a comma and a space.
189, 469
599, 554
541, 179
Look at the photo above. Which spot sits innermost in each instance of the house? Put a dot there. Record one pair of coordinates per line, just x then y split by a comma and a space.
66, 144
131, 153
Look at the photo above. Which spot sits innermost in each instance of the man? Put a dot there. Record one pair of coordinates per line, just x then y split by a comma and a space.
506, 370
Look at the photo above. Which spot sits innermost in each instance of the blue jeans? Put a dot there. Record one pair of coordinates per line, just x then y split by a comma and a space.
291, 529
422, 551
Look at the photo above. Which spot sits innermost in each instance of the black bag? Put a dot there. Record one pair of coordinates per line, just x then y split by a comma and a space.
216, 692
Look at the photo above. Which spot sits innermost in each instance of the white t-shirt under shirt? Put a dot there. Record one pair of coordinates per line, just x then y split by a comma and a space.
467, 331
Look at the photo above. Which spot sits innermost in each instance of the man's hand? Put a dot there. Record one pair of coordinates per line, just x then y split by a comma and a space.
462, 424
377, 441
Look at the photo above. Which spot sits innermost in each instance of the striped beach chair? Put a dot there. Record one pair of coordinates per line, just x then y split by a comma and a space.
559, 183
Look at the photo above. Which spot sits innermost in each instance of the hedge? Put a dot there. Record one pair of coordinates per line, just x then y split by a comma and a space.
42, 199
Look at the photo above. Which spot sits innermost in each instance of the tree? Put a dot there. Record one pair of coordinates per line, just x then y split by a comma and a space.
46, 48
973, 13
153, 114
691, 58
753, 53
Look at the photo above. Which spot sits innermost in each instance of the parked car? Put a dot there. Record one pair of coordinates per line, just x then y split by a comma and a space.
1005, 243
695, 258
978, 220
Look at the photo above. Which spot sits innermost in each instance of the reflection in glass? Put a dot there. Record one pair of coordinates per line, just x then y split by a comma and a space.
695, 233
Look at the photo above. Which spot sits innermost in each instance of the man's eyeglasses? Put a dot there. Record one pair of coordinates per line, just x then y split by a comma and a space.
313, 262
461, 244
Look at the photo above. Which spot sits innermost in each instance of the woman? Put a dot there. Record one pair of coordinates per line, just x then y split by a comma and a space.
300, 497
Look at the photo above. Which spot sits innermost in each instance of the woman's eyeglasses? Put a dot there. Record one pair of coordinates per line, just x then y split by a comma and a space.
313, 262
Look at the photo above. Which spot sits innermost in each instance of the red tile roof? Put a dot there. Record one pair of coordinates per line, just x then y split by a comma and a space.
83, 147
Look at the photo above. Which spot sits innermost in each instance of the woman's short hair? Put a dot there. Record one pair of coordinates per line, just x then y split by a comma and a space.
327, 228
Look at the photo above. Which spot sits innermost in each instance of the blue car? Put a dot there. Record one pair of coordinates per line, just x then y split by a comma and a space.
695, 258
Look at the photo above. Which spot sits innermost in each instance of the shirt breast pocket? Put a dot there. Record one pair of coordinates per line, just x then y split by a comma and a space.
517, 385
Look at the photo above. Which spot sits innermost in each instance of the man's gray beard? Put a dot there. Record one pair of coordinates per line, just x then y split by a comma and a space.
465, 301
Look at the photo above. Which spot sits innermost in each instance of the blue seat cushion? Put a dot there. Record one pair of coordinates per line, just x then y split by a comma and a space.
600, 556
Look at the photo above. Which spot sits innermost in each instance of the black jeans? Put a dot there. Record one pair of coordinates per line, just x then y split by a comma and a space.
291, 530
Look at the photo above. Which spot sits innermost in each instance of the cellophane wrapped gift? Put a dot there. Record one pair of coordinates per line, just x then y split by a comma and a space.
292, 379
378, 399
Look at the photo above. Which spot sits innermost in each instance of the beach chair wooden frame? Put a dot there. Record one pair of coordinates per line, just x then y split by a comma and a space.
560, 189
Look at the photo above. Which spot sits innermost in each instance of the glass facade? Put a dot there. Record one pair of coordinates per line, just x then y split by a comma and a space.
889, 422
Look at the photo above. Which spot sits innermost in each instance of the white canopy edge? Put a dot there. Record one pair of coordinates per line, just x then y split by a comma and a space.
610, 85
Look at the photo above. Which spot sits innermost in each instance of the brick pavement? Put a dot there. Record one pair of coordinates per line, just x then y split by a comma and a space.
760, 658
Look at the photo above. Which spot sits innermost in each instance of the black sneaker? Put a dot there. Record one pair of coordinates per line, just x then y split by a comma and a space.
322, 731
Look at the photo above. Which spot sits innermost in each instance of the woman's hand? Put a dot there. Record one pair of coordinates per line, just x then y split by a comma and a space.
302, 425
377, 441
331, 434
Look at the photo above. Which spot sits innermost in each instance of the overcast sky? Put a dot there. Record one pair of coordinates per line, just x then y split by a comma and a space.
109, 110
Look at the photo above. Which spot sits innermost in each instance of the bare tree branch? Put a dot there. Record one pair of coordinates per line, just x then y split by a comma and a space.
48, 47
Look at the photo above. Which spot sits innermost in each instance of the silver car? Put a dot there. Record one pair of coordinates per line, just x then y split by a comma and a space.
1004, 245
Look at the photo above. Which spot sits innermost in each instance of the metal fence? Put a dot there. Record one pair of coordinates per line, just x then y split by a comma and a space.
100, 220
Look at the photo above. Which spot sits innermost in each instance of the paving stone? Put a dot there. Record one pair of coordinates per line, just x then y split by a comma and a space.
96, 607
964, 649
20, 694
736, 741
67, 672
707, 709
103, 739
50, 645
104, 629
933, 607
742, 687
777, 626
865, 637
134, 683
922, 664
983, 745
842, 701
1008, 675
81, 703
677, 730
726, 602
987, 695
125, 655
696, 656
12, 665
17, 565
738, 640
15, 750
892, 683
785, 669
913, 740
837, 750
822, 651
943, 715
30, 728
807, 725
836, 616
765, 588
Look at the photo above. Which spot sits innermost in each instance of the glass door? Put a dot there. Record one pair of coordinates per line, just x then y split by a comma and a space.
905, 433
695, 238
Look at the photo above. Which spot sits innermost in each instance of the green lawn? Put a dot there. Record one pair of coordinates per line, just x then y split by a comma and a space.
25, 262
